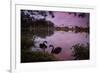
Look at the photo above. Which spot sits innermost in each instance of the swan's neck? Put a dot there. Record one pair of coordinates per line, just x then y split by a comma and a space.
52, 47
44, 42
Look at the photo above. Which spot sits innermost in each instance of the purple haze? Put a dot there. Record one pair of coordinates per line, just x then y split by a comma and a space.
65, 19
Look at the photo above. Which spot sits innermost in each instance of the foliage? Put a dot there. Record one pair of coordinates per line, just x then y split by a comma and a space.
26, 43
29, 16
81, 15
81, 29
36, 56
81, 52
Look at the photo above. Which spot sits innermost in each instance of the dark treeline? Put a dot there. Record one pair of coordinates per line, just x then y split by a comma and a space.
80, 15
75, 29
81, 29
29, 17
33, 20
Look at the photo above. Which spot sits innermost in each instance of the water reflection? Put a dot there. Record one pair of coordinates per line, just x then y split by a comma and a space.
48, 36
63, 39
37, 39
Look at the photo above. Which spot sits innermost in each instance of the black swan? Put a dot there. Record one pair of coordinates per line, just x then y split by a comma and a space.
43, 45
56, 50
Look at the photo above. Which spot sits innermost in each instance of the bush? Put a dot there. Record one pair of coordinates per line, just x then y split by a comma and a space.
81, 52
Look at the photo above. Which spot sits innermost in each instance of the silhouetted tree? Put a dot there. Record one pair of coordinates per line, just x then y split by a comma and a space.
33, 15
30, 17
81, 15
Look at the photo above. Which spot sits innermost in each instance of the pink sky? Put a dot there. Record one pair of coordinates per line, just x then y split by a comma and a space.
65, 19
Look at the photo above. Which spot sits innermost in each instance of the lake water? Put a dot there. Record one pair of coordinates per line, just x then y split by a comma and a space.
62, 39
